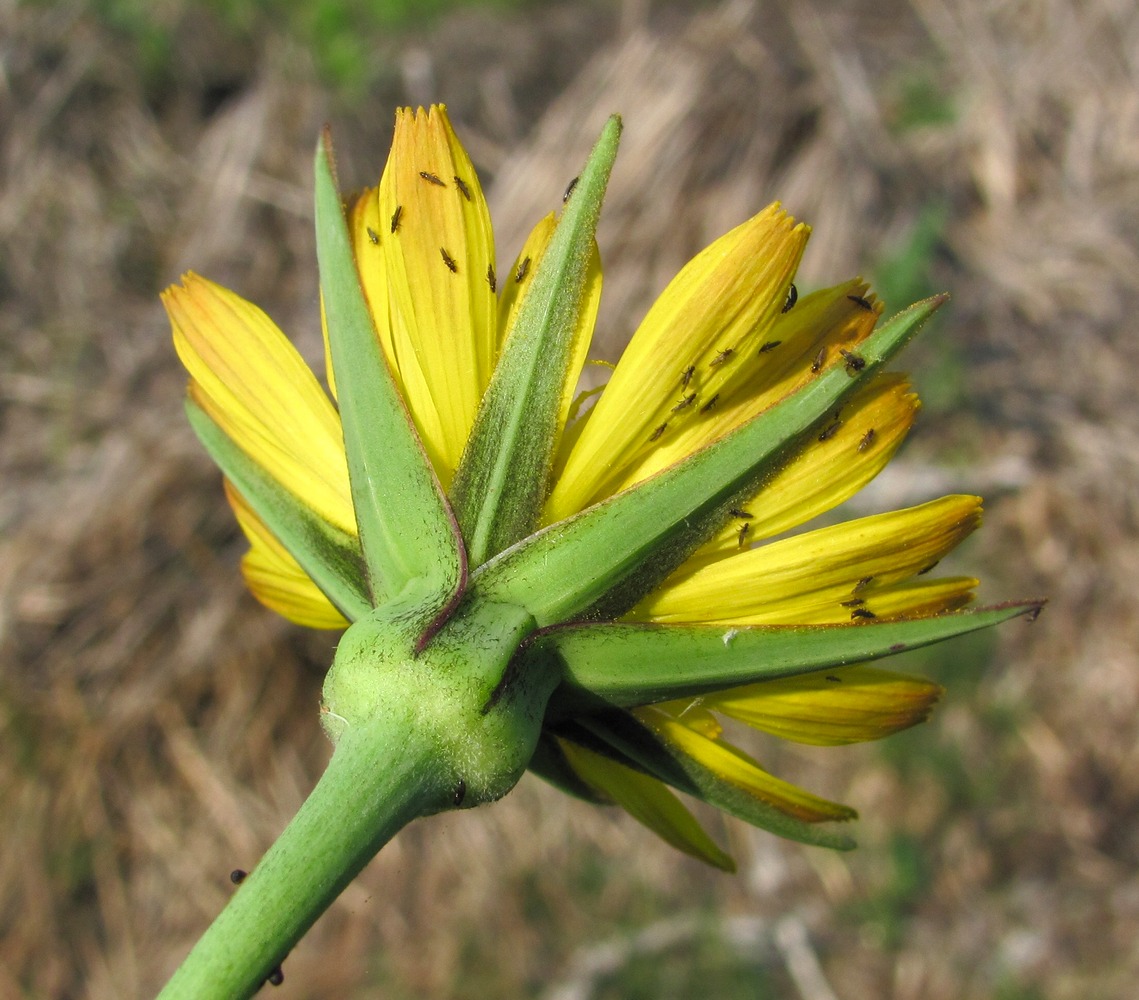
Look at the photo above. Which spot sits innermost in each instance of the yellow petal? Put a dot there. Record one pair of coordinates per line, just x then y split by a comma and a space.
439, 254
826, 575
275, 578
847, 705
736, 768
858, 444
717, 310
808, 338
248, 377
648, 801
914, 598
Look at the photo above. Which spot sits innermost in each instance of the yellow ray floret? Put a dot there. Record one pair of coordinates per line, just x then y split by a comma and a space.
648, 801
275, 578
717, 309
828, 575
856, 444
248, 377
844, 705
732, 765
721, 394
435, 237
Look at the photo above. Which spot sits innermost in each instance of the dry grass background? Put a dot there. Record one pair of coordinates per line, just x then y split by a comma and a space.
158, 728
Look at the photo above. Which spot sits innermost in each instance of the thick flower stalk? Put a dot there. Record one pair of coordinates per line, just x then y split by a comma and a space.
583, 584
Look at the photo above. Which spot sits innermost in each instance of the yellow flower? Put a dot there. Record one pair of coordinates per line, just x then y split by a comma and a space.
727, 339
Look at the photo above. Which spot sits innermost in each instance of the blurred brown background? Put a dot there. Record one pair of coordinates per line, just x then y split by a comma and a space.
159, 728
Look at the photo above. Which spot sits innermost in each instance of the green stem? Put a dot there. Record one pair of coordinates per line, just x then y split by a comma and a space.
379, 779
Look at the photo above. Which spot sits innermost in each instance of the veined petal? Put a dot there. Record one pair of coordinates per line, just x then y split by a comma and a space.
648, 801
275, 578
739, 770
722, 302
856, 446
830, 708
439, 253
808, 338
252, 382
819, 576
913, 598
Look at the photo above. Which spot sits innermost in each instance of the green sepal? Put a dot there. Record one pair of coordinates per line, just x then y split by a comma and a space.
503, 477
599, 563
331, 557
626, 665
407, 530
637, 743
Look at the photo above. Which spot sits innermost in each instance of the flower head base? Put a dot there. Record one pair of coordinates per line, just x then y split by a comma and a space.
609, 577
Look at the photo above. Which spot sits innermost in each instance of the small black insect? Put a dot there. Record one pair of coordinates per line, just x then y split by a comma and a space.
569, 190
740, 512
833, 679
862, 613
854, 362
396, 215
686, 402
770, 346
276, 977
449, 261
744, 531
862, 303
523, 269
686, 376
432, 179
854, 602
708, 405
655, 436
1034, 613
459, 794
792, 298
491, 278
237, 876
820, 358
373, 236
867, 439
462, 186
926, 569
897, 647
828, 432
862, 584
723, 356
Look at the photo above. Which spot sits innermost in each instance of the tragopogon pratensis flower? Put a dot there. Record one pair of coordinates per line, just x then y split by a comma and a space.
649, 530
